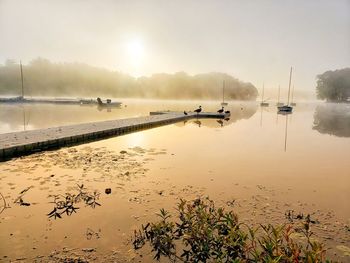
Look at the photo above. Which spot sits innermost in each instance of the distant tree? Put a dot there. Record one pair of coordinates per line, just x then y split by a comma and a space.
334, 85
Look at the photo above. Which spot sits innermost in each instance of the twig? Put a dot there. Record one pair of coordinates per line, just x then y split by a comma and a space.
5, 204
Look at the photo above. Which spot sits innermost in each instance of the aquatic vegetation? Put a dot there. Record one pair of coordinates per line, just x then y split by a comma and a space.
203, 232
19, 200
67, 204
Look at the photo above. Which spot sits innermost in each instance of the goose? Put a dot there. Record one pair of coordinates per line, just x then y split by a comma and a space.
185, 113
198, 110
227, 112
221, 110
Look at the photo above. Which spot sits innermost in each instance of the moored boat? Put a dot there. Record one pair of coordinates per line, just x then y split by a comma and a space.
108, 103
287, 108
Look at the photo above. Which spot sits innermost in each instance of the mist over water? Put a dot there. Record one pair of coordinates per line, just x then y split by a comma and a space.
44, 78
64, 63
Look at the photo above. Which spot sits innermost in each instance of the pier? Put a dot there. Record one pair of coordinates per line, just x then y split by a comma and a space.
17, 144
62, 101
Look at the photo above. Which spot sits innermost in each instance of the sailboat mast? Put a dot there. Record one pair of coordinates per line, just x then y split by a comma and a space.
279, 92
22, 79
292, 94
223, 91
262, 95
290, 80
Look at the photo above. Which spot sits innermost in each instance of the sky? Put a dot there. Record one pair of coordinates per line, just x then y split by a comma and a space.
254, 40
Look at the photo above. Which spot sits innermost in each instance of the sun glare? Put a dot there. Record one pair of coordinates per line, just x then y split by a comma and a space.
135, 50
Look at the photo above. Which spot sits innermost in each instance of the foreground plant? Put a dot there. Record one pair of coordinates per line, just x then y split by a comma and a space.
67, 204
204, 233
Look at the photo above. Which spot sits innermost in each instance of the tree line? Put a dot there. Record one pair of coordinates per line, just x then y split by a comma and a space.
45, 78
334, 85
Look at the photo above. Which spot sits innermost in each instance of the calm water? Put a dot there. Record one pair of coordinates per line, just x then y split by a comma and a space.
269, 163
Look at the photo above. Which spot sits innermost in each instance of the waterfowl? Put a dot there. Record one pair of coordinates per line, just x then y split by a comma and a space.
185, 113
198, 110
221, 110
227, 112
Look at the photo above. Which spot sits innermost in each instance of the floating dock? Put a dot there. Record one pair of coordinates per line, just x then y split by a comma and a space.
16, 144
63, 101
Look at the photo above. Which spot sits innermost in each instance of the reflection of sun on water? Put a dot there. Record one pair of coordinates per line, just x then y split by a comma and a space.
135, 139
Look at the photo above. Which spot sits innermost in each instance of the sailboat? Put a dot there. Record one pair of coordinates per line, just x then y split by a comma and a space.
223, 103
287, 108
263, 103
293, 103
278, 100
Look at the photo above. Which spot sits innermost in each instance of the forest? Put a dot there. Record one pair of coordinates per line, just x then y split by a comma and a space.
45, 78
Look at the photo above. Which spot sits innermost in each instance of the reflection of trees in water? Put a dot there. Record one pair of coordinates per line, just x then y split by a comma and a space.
332, 119
17, 118
35, 116
238, 112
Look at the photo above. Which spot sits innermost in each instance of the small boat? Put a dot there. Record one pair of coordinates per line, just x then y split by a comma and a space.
86, 101
12, 99
223, 103
108, 103
263, 103
285, 109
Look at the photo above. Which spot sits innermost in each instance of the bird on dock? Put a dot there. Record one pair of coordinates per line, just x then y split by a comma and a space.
227, 112
198, 110
185, 113
221, 110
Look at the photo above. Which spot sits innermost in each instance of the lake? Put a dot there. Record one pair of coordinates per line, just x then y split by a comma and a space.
266, 163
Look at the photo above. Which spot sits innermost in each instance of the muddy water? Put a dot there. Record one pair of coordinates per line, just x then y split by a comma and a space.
267, 163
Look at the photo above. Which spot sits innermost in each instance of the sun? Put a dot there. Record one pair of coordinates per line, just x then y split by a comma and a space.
135, 50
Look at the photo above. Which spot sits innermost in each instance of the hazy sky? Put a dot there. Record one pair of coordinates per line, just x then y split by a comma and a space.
255, 40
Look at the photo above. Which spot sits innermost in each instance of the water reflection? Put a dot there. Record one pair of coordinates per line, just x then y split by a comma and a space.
221, 123
29, 117
241, 160
262, 109
333, 119
238, 112
198, 122
286, 133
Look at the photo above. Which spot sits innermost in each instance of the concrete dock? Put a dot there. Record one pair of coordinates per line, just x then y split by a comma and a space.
16, 144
